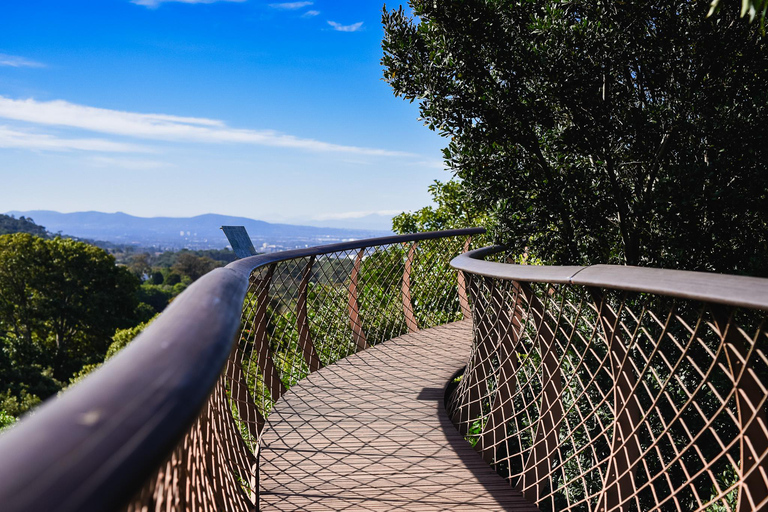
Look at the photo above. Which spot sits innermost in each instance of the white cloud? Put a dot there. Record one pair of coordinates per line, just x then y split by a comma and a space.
128, 163
18, 62
10, 138
290, 6
310, 14
156, 3
355, 215
346, 28
163, 127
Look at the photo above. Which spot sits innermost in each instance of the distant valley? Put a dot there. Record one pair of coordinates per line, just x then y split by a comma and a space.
200, 232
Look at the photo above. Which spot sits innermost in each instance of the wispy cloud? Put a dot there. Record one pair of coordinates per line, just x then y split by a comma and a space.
132, 164
156, 3
10, 138
290, 6
15, 61
346, 28
310, 14
164, 127
355, 215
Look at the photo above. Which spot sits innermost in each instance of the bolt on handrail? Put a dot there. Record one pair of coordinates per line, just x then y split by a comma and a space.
174, 420
617, 388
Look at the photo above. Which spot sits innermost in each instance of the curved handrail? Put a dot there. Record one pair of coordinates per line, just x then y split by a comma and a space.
93, 447
254, 262
731, 290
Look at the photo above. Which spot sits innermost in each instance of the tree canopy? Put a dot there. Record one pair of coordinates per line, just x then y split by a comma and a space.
598, 132
10, 224
453, 209
60, 303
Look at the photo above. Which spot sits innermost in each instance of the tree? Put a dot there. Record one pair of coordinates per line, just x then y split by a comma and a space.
61, 300
139, 265
188, 264
120, 340
10, 224
453, 209
598, 132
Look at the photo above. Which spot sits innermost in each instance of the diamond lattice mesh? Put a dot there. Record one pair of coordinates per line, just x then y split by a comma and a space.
591, 399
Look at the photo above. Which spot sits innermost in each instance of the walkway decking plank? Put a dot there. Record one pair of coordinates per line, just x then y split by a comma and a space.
371, 433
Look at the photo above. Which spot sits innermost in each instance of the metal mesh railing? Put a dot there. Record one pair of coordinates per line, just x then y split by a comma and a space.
597, 388
598, 399
303, 312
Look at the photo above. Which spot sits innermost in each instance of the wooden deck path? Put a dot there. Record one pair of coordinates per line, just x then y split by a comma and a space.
371, 433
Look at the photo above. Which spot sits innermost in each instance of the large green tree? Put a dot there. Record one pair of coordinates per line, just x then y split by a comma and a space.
60, 302
594, 132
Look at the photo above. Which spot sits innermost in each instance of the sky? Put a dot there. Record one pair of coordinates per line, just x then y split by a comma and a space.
268, 110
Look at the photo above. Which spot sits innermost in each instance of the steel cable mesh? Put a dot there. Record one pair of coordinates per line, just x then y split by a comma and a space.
302, 314
210, 469
592, 399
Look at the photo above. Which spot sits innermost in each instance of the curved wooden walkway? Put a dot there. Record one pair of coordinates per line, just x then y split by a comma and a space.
371, 433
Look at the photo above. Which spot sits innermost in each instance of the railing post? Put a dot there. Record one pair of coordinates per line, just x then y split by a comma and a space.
266, 364
237, 449
479, 367
618, 484
750, 404
509, 325
410, 318
358, 335
537, 471
302, 323
241, 395
461, 281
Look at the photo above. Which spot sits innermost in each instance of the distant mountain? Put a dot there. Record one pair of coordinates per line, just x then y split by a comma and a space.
197, 232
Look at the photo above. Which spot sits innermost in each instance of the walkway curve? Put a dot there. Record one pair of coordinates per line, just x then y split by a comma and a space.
370, 432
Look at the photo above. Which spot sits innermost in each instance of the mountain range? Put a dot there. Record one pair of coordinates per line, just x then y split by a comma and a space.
200, 232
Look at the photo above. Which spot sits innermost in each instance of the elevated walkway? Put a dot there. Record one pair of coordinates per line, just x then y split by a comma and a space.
370, 432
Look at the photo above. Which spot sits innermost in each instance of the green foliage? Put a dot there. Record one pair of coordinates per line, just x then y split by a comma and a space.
26, 369
10, 224
599, 132
60, 303
123, 337
82, 373
454, 208
14, 406
6, 420
156, 278
120, 340
156, 296
188, 264
139, 265
64, 295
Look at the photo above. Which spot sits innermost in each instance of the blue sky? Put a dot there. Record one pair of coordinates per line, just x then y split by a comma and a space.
270, 110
